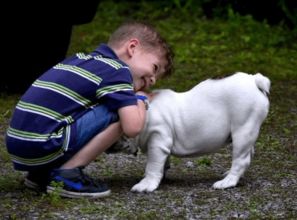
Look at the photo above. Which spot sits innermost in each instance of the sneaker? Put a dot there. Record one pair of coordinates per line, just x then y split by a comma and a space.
76, 184
37, 180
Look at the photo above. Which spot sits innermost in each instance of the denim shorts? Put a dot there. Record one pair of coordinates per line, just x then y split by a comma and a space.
88, 126
92, 123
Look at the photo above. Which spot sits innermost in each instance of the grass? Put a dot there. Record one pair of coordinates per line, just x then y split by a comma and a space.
203, 48
210, 48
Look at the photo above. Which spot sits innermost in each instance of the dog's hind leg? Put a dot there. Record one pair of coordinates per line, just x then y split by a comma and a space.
243, 147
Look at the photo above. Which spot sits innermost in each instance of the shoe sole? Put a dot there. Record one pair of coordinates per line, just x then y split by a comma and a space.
69, 194
30, 184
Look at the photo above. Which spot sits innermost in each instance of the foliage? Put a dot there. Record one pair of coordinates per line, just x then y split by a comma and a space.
54, 197
203, 48
273, 11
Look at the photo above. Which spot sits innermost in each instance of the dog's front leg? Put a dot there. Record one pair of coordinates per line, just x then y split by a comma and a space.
154, 169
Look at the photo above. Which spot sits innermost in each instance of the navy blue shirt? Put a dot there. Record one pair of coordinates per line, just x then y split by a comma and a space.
42, 124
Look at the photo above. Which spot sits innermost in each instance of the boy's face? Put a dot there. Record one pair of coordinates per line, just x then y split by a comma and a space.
146, 67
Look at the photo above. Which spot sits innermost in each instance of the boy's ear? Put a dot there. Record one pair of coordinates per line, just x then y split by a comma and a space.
133, 43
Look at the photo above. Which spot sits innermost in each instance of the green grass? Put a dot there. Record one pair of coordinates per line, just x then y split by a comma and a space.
203, 48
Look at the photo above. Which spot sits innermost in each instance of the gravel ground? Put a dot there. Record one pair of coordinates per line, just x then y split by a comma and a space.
267, 191
186, 193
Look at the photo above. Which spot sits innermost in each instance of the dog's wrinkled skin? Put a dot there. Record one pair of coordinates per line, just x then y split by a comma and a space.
201, 121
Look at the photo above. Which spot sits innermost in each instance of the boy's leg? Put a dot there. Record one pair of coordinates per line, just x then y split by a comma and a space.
91, 128
95, 147
76, 184
39, 179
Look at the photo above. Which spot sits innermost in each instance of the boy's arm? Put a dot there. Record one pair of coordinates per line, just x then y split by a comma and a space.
132, 118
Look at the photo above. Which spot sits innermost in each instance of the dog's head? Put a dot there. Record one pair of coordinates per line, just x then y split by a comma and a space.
124, 144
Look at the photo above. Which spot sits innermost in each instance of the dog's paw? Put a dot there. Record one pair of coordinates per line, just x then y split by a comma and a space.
145, 185
227, 182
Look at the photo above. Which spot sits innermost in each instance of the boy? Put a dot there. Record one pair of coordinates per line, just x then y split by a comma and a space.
81, 106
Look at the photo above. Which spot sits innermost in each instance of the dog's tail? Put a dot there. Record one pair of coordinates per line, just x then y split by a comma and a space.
263, 83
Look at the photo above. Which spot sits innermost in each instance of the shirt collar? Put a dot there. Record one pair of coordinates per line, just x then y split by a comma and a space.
105, 51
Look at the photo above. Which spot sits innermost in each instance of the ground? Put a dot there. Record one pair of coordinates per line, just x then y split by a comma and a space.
268, 189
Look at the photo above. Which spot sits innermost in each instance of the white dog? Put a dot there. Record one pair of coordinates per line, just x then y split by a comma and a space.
202, 120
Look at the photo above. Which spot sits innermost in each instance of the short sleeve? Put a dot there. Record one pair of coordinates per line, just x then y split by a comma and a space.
117, 90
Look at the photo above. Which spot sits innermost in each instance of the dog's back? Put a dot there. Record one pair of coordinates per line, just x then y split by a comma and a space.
241, 93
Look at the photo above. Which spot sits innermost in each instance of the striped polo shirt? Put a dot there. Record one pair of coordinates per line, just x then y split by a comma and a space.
42, 125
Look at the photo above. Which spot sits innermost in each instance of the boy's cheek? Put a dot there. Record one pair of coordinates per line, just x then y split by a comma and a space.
136, 86
140, 85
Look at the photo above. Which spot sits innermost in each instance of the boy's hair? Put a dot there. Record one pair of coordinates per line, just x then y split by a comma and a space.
149, 38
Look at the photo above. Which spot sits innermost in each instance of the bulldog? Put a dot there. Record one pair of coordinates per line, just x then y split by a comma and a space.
214, 113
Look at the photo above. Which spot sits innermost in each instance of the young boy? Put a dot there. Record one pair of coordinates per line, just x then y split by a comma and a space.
80, 107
